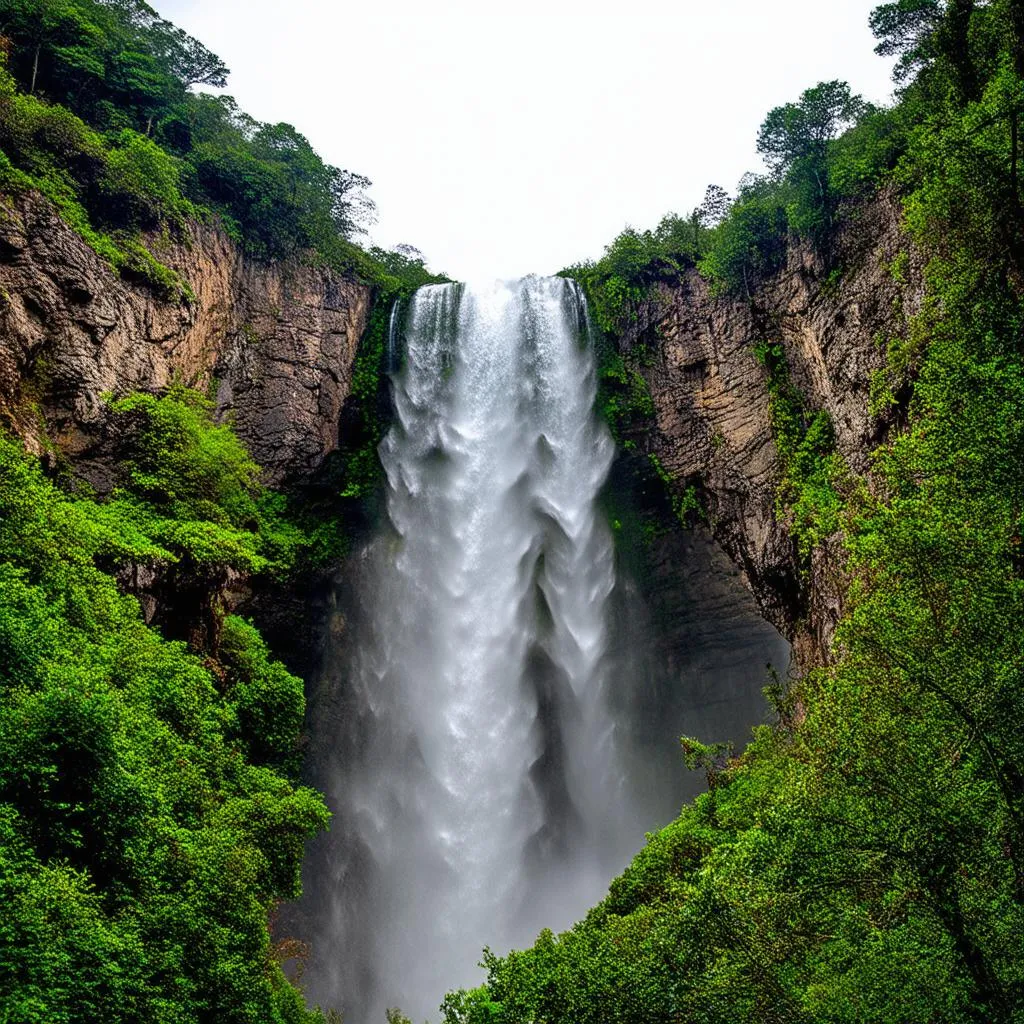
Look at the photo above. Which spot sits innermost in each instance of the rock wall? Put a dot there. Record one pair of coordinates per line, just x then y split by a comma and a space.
275, 342
712, 425
691, 655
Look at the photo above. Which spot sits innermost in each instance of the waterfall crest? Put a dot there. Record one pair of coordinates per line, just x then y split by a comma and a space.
483, 799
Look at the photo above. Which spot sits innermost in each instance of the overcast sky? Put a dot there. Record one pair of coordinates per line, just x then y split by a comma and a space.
508, 138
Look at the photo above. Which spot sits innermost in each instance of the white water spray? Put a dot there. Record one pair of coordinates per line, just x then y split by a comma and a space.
485, 799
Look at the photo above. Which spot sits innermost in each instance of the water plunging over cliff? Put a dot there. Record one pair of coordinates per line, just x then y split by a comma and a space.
487, 796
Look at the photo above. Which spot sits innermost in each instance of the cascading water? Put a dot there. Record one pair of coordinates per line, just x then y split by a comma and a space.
482, 797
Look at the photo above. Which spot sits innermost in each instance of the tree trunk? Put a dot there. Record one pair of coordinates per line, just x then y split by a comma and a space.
35, 69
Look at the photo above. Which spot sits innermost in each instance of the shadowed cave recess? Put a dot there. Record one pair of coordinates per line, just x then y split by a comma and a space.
505, 679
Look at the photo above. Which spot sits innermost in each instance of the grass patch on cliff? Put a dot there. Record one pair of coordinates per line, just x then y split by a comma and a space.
623, 397
808, 497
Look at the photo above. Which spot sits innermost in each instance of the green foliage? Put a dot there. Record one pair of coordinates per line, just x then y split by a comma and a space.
905, 29
141, 183
751, 242
402, 271
144, 829
624, 399
474, 1006
617, 284
92, 181
685, 504
808, 495
190, 492
826, 149
801, 131
863, 860
268, 701
268, 182
97, 113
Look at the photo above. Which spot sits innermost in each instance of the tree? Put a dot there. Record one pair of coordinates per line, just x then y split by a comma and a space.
802, 130
50, 28
182, 55
715, 206
794, 141
926, 33
904, 29
953, 41
190, 61
709, 214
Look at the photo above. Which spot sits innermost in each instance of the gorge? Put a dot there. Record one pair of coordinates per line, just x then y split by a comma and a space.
351, 617
494, 420
489, 773
492, 694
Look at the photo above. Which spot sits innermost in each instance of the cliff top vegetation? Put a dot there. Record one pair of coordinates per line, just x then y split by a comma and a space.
100, 111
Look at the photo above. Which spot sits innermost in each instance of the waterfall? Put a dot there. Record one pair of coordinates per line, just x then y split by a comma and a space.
483, 797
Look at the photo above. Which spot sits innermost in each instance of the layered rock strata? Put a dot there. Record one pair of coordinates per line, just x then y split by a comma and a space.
712, 425
274, 342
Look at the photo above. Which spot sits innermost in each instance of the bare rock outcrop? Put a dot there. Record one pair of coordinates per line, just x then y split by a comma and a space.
275, 342
710, 392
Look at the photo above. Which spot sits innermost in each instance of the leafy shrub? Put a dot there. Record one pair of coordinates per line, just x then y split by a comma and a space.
624, 399
268, 700
99, 190
618, 283
140, 183
191, 490
140, 849
751, 242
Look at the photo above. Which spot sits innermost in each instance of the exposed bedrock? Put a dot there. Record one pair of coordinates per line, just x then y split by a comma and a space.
712, 426
274, 342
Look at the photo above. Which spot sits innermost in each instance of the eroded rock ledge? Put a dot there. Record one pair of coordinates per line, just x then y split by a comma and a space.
712, 426
274, 342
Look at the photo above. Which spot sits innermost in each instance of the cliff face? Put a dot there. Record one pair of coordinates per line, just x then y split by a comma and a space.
275, 342
710, 393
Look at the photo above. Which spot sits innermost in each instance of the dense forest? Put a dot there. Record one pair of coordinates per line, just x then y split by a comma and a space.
861, 861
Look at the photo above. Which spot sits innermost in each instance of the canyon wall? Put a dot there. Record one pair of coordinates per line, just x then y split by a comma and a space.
274, 343
712, 427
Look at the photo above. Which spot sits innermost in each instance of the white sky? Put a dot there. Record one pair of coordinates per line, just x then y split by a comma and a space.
505, 139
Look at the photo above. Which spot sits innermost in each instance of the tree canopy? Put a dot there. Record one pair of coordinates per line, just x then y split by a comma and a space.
98, 110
